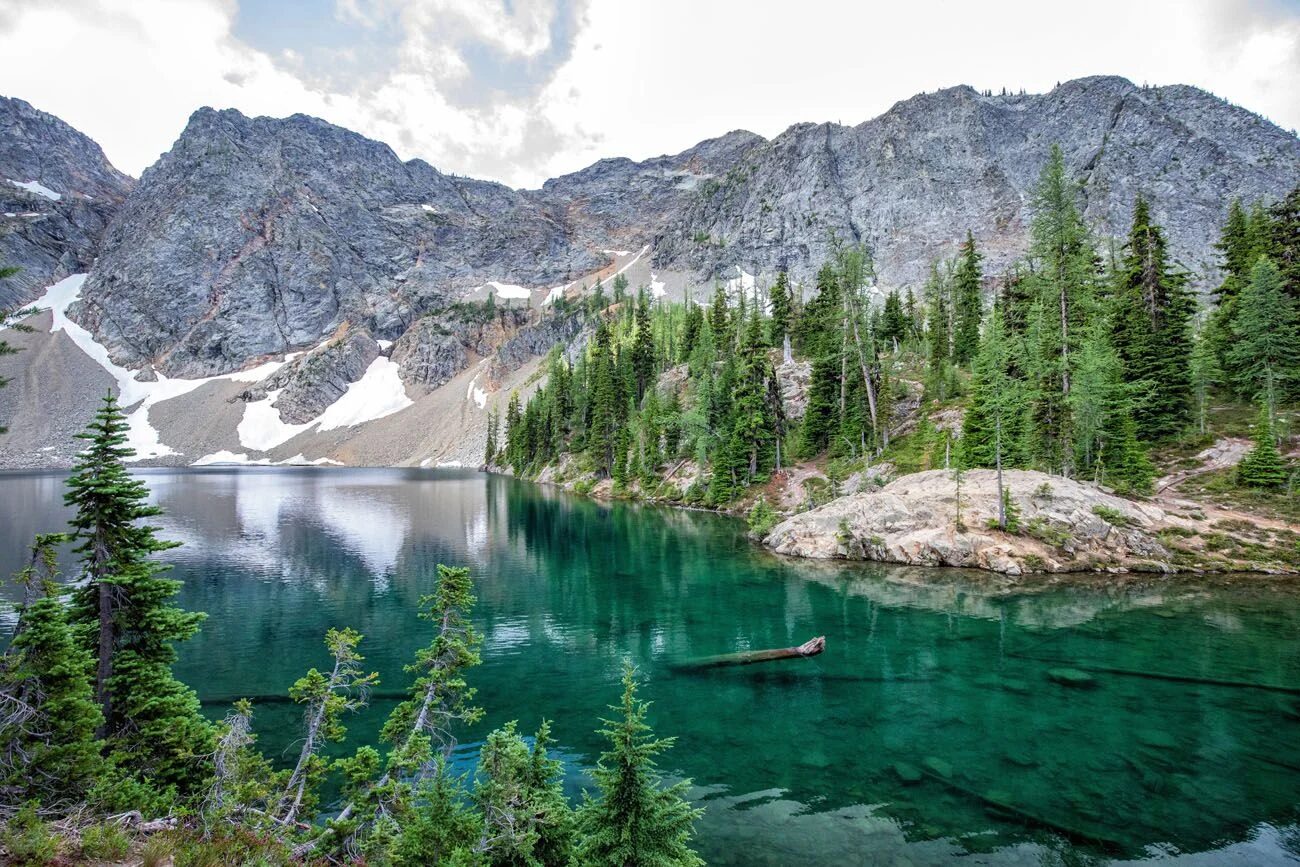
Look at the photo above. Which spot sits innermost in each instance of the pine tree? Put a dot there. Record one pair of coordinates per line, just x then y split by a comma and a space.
643, 346
526, 820
990, 427
48, 716
1262, 466
325, 699
634, 821
125, 611
1205, 373
1152, 318
894, 323
781, 300
1265, 353
968, 281
1062, 286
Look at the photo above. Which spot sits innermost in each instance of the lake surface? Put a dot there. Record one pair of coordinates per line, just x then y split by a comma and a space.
932, 731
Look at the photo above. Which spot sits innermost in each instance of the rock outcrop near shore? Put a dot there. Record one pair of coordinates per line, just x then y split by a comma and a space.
938, 518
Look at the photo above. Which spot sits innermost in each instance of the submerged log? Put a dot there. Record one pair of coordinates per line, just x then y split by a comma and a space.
808, 649
1168, 676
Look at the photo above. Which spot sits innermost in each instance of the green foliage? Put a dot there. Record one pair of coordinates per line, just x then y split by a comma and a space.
993, 420
968, 279
1262, 467
526, 820
1114, 517
48, 750
1265, 354
28, 839
107, 842
762, 518
1151, 326
634, 821
781, 300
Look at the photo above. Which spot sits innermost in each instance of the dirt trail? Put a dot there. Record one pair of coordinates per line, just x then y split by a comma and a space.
1225, 453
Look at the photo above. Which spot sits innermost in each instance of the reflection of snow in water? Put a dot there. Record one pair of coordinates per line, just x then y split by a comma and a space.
476, 534
371, 529
506, 635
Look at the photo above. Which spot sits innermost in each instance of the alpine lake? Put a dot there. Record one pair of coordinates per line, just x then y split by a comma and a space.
953, 718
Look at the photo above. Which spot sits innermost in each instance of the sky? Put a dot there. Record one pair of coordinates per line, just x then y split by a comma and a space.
522, 90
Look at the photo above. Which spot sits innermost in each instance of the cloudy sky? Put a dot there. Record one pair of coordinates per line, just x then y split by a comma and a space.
520, 90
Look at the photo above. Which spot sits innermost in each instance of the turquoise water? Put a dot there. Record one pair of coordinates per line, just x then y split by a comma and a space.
935, 729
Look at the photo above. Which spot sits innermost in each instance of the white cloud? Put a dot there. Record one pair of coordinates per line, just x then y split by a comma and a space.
521, 91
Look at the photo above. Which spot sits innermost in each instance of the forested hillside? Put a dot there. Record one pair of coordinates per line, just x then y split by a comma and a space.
1089, 358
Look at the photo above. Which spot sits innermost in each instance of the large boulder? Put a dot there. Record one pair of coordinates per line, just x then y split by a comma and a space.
309, 383
940, 518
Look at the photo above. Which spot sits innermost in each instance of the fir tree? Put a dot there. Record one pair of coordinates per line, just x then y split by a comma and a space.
643, 346
1283, 241
48, 716
894, 322
1265, 352
1205, 374
125, 611
690, 331
781, 301
603, 406
526, 820
1262, 466
634, 821
991, 423
1152, 330
968, 280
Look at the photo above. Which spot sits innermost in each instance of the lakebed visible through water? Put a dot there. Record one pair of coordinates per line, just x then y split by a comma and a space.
949, 716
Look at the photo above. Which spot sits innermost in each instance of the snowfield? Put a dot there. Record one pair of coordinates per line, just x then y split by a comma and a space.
38, 188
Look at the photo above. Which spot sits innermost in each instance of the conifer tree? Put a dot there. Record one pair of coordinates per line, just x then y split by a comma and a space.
719, 319
1265, 353
1062, 288
526, 819
125, 611
1205, 373
1262, 466
48, 716
634, 821
894, 323
603, 407
690, 331
822, 340
1152, 318
781, 300
1283, 241
991, 424
968, 280
643, 346
939, 383
11, 319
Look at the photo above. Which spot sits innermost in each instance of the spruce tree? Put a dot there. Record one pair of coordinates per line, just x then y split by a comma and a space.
781, 300
1152, 319
526, 819
1206, 374
603, 402
1265, 353
1062, 286
643, 346
634, 821
48, 751
1262, 466
968, 280
1283, 241
893, 322
991, 425
125, 612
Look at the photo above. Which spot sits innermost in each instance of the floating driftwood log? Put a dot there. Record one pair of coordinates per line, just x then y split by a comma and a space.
749, 657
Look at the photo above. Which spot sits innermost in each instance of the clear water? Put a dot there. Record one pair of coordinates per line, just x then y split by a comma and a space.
799, 762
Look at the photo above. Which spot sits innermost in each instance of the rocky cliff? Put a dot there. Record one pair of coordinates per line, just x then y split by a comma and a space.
57, 195
911, 182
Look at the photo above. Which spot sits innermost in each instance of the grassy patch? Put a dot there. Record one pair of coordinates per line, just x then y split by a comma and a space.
1114, 517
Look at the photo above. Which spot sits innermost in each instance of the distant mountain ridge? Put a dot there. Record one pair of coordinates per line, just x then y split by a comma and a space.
252, 237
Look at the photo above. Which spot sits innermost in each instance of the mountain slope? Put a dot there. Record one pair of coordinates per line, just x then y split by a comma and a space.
57, 195
912, 181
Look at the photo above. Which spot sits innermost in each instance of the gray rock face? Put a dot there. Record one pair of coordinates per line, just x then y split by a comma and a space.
50, 238
258, 236
912, 181
926, 519
254, 236
311, 382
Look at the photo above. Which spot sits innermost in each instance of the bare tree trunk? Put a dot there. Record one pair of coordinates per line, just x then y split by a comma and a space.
104, 665
871, 389
997, 455
787, 356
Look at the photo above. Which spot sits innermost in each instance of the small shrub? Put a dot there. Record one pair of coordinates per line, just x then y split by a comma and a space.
844, 534
1034, 563
157, 851
105, 843
1111, 516
762, 518
1039, 528
1043, 491
28, 839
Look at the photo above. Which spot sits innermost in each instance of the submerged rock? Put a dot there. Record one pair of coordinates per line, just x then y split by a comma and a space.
908, 774
935, 518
